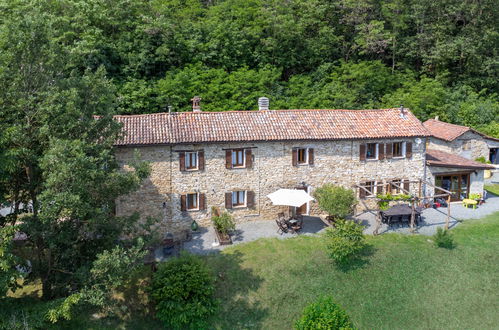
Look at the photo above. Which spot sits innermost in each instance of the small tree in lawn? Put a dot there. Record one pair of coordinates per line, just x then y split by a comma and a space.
337, 201
324, 314
345, 241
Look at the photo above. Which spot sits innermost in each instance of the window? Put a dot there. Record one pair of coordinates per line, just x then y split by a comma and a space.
192, 201
399, 149
302, 156
191, 160
238, 198
395, 186
467, 145
370, 187
372, 151
238, 158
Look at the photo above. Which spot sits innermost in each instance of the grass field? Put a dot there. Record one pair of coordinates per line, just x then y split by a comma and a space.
403, 282
493, 188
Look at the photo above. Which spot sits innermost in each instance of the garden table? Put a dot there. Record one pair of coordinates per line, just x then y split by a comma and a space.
399, 211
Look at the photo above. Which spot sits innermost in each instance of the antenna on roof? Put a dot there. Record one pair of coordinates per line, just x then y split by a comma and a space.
169, 109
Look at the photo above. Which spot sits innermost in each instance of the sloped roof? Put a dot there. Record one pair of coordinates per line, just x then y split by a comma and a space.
267, 125
449, 132
444, 159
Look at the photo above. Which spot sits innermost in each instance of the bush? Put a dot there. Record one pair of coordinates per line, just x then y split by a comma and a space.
443, 239
182, 289
345, 241
384, 202
223, 223
324, 314
337, 201
482, 160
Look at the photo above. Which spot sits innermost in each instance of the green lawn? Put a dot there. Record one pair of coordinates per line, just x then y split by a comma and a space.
405, 283
493, 188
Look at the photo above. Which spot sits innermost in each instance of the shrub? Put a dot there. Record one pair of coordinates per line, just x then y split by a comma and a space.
223, 223
182, 289
324, 314
337, 201
482, 160
443, 239
345, 241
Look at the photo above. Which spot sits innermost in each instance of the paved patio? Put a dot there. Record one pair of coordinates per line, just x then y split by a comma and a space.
204, 241
434, 218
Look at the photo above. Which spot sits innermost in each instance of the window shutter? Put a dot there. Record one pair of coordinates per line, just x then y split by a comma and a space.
406, 186
202, 201
183, 203
228, 200
201, 160
250, 199
362, 150
408, 149
389, 150
389, 187
181, 160
381, 151
228, 158
249, 158
311, 156
379, 188
294, 158
362, 192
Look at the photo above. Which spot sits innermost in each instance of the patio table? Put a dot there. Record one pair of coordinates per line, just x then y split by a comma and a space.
399, 211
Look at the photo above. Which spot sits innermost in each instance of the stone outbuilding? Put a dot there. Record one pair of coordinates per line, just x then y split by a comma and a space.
232, 160
452, 151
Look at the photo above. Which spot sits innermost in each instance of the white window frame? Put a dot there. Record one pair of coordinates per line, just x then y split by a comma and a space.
376, 152
245, 196
375, 188
187, 202
233, 153
403, 149
187, 161
400, 184
307, 160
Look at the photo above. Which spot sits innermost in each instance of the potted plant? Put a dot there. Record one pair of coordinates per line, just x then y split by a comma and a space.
336, 201
223, 225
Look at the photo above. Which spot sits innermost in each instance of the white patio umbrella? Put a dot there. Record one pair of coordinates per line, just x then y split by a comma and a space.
290, 197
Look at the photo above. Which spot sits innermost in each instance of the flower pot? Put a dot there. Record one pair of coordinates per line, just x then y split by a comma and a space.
223, 239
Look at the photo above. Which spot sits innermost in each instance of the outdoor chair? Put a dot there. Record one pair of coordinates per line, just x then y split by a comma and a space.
282, 227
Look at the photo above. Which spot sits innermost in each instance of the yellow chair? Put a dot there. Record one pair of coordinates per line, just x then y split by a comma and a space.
471, 202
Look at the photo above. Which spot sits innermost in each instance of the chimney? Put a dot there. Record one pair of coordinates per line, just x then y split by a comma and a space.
263, 103
437, 118
403, 112
196, 104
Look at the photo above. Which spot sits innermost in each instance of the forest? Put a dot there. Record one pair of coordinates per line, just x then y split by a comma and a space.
64, 61
435, 57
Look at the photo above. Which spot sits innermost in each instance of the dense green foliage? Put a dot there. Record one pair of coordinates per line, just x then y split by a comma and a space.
345, 241
182, 289
324, 314
224, 222
443, 238
337, 201
438, 58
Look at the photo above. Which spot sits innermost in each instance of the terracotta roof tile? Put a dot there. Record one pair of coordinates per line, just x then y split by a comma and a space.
267, 125
444, 131
444, 159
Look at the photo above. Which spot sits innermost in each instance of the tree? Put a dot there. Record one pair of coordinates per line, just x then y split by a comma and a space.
337, 201
61, 158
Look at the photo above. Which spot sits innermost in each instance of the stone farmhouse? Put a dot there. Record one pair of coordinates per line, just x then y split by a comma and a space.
451, 154
232, 160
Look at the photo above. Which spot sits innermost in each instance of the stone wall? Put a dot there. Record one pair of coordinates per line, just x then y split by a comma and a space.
335, 162
469, 145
